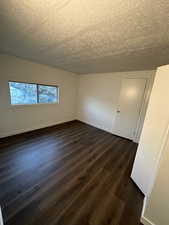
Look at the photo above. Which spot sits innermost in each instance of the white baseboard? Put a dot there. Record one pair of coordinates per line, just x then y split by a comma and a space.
96, 126
144, 206
146, 221
32, 128
1, 220
104, 129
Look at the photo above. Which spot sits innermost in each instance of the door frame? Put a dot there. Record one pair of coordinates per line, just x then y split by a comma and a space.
143, 110
1, 220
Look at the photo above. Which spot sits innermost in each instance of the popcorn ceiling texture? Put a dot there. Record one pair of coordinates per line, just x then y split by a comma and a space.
87, 36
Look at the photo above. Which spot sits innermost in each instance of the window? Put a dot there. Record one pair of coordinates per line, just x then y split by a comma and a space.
47, 94
26, 93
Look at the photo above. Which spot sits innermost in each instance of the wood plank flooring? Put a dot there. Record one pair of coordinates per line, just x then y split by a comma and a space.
70, 174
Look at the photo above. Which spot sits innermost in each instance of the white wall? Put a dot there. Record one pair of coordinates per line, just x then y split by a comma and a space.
98, 96
151, 166
17, 119
157, 207
153, 134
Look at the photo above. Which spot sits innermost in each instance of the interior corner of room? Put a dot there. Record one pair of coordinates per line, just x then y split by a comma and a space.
84, 116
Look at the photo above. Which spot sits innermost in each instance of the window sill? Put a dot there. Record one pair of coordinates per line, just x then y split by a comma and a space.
30, 105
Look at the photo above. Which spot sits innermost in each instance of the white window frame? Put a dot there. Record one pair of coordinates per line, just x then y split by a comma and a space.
37, 84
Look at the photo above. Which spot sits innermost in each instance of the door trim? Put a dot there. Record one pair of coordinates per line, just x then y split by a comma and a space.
1, 220
141, 114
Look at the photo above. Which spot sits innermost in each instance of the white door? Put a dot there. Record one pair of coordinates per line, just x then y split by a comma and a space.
130, 102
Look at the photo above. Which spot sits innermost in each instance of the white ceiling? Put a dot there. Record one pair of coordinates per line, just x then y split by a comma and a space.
87, 36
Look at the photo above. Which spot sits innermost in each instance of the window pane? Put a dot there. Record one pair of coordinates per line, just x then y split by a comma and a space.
23, 93
47, 94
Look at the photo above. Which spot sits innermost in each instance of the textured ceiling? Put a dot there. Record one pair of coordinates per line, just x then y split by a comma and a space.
87, 36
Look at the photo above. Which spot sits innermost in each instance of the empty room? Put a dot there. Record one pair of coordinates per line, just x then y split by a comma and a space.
84, 112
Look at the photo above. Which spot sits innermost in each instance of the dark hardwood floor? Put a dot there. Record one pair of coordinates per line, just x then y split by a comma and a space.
70, 174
